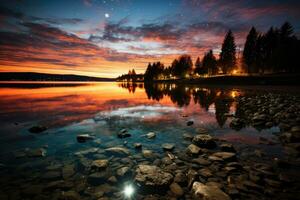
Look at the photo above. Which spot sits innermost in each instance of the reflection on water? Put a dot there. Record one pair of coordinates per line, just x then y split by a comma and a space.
102, 110
220, 102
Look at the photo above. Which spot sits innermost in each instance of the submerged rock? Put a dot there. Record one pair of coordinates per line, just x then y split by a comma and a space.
69, 195
123, 171
40, 152
227, 147
137, 145
99, 164
193, 149
84, 137
190, 123
168, 146
68, 171
148, 154
37, 129
152, 176
118, 150
151, 135
206, 192
204, 141
123, 134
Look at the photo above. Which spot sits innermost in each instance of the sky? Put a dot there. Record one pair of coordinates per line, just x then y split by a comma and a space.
106, 38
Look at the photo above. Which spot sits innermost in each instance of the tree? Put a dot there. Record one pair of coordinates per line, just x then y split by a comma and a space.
182, 66
198, 67
249, 50
227, 55
209, 63
154, 71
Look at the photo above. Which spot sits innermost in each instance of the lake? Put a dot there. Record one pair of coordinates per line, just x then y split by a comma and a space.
113, 117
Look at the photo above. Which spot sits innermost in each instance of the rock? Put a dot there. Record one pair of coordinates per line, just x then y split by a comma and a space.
205, 192
193, 149
168, 146
180, 178
118, 150
123, 134
151, 135
201, 130
36, 152
86, 151
227, 147
204, 140
69, 195
123, 171
201, 161
190, 123
37, 129
166, 161
32, 190
192, 175
99, 164
112, 179
290, 137
226, 156
152, 176
68, 171
84, 137
51, 175
187, 136
205, 172
148, 154
176, 189
137, 145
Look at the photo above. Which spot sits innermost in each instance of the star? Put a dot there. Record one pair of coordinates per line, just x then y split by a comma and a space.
106, 15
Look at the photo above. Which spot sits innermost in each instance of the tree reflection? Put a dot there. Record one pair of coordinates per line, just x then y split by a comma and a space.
181, 95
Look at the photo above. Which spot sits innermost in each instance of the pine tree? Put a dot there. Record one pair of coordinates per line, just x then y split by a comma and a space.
209, 63
249, 50
198, 67
227, 55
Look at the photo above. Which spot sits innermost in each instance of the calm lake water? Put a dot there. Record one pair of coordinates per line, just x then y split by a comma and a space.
102, 110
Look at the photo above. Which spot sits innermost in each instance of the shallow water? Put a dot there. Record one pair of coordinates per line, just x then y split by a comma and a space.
102, 110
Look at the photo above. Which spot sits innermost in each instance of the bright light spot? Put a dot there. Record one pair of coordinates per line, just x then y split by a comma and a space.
235, 71
128, 190
106, 15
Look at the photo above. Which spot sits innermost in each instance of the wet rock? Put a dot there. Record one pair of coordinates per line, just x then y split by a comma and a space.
187, 136
180, 178
152, 176
37, 129
68, 171
201, 131
166, 161
99, 164
201, 161
69, 195
168, 146
112, 179
86, 151
290, 137
204, 141
97, 177
227, 147
118, 150
150, 135
191, 177
148, 154
51, 175
40, 152
123, 134
32, 190
123, 171
176, 189
84, 137
137, 145
190, 123
225, 156
193, 149
206, 192
205, 172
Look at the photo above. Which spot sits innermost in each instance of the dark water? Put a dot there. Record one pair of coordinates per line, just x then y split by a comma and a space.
102, 110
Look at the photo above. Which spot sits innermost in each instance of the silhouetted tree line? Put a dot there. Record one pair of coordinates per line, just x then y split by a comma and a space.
271, 52
131, 76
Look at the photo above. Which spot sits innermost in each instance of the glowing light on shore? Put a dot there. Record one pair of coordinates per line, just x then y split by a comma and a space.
128, 191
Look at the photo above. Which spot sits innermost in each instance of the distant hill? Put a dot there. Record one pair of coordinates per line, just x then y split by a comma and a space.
32, 76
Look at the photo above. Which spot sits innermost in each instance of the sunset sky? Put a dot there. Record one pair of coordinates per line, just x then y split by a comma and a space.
106, 38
